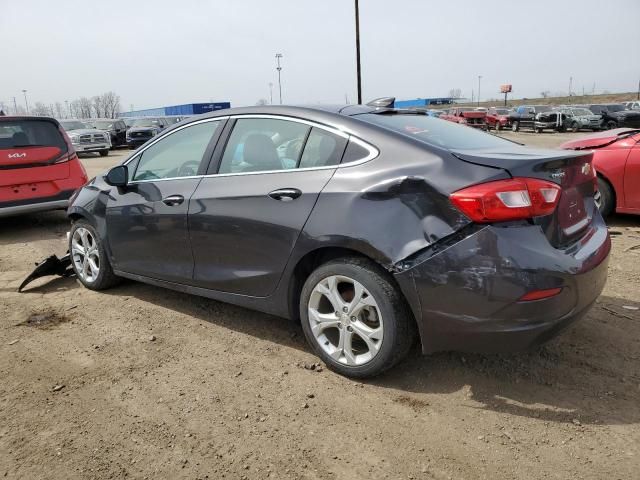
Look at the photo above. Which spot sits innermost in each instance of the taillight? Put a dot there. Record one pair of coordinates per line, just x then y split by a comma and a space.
502, 200
70, 153
539, 294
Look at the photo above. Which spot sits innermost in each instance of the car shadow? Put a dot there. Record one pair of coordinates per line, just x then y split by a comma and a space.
33, 227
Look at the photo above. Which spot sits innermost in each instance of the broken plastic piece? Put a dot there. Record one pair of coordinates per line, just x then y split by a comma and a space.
49, 266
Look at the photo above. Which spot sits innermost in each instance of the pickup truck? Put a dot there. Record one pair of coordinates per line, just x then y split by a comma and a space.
466, 116
524, 116
497, 118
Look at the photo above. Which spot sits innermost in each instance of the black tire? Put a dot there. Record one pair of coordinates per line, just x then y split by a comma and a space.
498, 126
537, 130
575, 127
611, 124
515, 126
105, 278
398, 325
607, 197
104, 153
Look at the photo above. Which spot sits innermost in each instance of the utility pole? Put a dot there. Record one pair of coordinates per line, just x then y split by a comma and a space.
358, 71
479, 78
279, 68
271, 93
25, 101
570, 82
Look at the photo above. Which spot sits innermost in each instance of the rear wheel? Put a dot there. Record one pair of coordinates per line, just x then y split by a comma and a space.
610, 125
104, 153
89, 258
537, 130
606, 203
355, 318
515, 126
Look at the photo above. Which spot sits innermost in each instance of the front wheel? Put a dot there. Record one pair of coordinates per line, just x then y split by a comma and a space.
355, 318
88, 257
515, 126
498, 126
104, 153
610, 125
575, 127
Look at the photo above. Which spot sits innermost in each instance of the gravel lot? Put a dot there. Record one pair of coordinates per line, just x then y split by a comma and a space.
141, 382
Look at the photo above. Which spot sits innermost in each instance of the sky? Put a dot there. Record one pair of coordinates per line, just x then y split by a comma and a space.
168, 52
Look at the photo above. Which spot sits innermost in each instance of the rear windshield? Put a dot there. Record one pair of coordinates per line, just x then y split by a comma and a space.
435, 131
614, 108
30, 133
69, 125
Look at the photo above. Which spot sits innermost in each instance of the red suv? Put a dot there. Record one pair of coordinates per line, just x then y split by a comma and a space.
39, 169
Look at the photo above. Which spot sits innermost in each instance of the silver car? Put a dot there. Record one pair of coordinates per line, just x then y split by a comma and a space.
581, 118
86, 139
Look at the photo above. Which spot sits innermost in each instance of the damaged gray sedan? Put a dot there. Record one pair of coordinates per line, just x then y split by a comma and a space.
376, 227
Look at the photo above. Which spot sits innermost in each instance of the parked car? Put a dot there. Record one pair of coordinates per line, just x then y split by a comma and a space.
466, 116
498, 118
142, 129
288, 210
616, 158
524, 116
634, 105
614, 115
86, 139
40, 169
579, 118
116, 128
128, 121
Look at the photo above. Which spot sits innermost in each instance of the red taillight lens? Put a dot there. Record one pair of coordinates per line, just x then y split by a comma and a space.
502, 200
540, 294
71, 152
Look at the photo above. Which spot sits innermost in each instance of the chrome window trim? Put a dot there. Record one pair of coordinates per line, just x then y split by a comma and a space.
373, 151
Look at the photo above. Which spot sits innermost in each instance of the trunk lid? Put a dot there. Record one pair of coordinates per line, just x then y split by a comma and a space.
572, 170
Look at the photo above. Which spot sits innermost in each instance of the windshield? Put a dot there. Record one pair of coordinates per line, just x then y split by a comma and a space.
73, 125
146, 122
17, 133
436, 132
102, 125
501, 111
614, 108
541, 108
581, 111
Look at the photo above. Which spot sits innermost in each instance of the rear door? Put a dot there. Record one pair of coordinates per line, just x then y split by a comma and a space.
147, 220
632, 179
246, 218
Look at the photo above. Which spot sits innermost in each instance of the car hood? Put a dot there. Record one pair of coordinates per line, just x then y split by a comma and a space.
597, 140
142, 129
84, 131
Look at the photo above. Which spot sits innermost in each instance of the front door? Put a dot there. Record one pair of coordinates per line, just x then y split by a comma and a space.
245, 220
147, 220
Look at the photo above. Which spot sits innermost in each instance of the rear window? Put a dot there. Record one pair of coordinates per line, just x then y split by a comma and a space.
30, 133
435, 131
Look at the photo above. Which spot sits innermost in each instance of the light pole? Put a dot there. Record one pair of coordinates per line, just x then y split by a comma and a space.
358, 73
25, 101
271, 93
479, 78
279, 68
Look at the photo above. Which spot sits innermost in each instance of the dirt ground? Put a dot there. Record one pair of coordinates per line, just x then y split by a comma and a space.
141, 382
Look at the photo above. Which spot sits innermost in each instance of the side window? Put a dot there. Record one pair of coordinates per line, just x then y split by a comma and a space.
354, 152
176, 155
263, 144
322, 149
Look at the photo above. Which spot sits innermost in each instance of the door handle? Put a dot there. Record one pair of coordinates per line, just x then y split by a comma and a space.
285, 194
173, 200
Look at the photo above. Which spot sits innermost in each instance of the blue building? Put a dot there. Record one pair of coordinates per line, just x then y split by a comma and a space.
423, 102
186, 109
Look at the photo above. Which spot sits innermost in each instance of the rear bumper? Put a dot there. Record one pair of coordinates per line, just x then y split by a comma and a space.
465, 297
60, 201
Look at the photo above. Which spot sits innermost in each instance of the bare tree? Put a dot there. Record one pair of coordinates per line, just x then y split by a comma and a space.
110, 104
39, 109
455, 93
262, 101
59, 110
545, 93
84, 107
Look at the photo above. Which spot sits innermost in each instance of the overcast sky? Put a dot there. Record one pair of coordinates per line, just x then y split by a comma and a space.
166, 52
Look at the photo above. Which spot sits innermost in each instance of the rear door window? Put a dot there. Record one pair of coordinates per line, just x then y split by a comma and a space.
30, 133
322, 149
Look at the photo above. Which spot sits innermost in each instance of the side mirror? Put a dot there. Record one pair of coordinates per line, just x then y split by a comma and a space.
118, 176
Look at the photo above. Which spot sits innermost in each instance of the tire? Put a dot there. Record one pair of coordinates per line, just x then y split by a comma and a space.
537, 130
610, 125
385, 317
575, 127
498, 126
515, 126
607, 197
84, 235
104, 153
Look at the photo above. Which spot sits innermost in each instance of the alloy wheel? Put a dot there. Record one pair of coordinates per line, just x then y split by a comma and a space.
345, 320
85, 255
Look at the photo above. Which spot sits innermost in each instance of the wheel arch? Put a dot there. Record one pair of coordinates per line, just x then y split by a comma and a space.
604, 177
